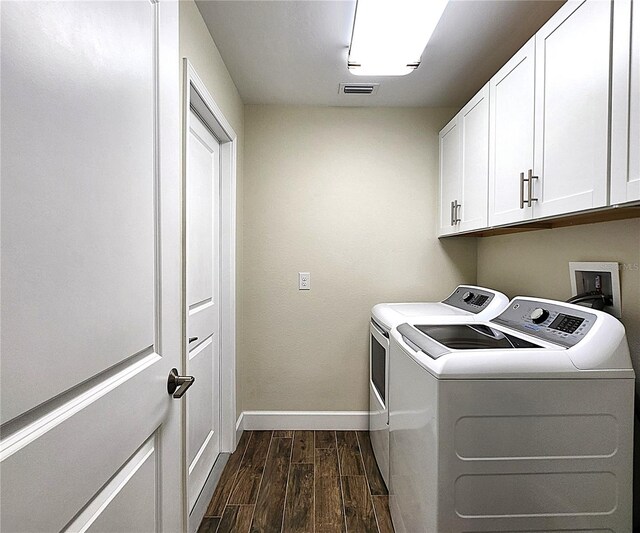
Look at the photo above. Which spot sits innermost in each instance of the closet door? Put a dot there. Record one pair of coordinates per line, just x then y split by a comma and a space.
474, 175
449, 177
572, 109
511, 94
202, 270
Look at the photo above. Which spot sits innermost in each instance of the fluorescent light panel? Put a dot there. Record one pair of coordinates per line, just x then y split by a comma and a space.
389, 36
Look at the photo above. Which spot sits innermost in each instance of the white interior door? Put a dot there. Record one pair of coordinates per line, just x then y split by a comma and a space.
202, 279
90, 311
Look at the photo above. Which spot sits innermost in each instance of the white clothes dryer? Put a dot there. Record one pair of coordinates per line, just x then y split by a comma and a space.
521, 423
466, 303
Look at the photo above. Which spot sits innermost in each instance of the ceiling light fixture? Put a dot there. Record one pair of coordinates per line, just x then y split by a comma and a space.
389, 36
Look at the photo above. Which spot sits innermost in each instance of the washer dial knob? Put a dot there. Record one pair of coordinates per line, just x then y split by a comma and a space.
467, 296
539, 315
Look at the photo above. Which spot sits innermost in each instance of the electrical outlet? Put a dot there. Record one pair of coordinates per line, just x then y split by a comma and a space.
304, 281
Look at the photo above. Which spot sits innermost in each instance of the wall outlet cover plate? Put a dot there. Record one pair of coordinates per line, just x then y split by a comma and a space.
304, 281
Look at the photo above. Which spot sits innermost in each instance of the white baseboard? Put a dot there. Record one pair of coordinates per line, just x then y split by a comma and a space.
318, 420
239, 427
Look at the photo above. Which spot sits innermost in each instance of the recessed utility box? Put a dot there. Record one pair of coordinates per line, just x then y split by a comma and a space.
597, 277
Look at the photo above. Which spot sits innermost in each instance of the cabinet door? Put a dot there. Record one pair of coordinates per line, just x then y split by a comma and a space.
474, 137
511, 93
449, 176
625, 103
572, 109
633, 186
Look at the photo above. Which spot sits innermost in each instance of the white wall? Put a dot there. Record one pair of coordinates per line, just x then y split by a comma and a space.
197, 45
348, 194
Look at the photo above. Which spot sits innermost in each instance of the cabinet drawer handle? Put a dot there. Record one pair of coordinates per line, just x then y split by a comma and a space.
530, 178
453, 216
457, 213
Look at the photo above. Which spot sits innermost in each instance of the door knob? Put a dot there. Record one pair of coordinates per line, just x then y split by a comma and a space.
181, 383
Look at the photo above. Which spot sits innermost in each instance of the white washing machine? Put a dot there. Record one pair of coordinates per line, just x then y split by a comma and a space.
522, 423
466, 303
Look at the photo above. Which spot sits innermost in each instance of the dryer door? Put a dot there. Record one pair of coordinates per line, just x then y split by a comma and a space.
378, 396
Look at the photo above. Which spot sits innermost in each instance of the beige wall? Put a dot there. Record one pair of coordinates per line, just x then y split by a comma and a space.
348, 194
537, 264
197, 45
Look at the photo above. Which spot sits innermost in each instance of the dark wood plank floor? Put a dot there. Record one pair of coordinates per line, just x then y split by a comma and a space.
300, 482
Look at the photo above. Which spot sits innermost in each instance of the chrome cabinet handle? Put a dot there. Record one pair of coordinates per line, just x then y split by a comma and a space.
530, 178
178, 385
454, 212
457, 213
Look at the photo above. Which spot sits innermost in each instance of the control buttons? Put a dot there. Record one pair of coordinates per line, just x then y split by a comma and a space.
467, 296
539, 315
569, 324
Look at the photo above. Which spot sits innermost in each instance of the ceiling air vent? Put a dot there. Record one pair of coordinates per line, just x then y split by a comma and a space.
359, 88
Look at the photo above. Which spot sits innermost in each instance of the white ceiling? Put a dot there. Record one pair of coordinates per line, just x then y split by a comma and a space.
295, 51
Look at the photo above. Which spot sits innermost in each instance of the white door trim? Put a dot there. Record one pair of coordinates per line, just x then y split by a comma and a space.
197, 96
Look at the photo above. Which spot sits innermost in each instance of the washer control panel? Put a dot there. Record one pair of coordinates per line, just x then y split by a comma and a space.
470, 299
552, 322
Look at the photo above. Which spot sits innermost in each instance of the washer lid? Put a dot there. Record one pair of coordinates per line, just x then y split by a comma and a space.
466, 302
460, 339
390, 315
474, 337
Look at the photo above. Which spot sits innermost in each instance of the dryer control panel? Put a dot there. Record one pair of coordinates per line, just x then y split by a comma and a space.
472, 299
552, 322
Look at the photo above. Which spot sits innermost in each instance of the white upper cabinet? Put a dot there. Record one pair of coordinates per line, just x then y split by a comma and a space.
625, 119
474, 171
464, 167
450, 164
633, 180
563, 120
511, 137
572, 109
